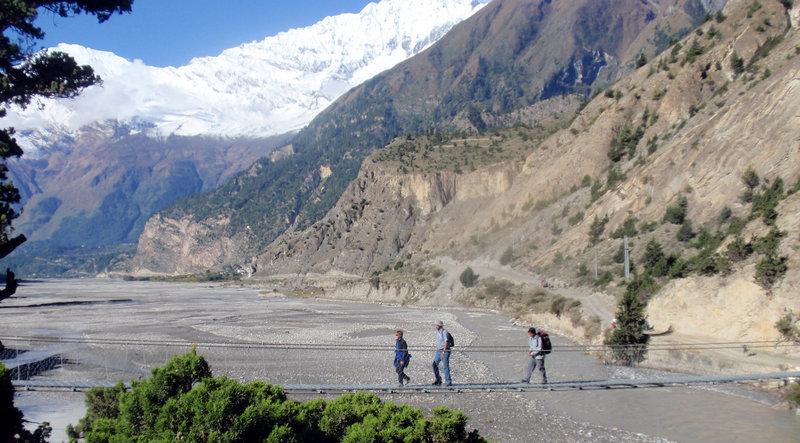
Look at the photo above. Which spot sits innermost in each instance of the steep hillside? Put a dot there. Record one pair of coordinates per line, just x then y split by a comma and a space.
695, 157
513, 61
99, 188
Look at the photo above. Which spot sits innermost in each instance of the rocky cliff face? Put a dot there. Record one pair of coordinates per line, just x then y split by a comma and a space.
495, 68
180, 247
379, 215
723, 101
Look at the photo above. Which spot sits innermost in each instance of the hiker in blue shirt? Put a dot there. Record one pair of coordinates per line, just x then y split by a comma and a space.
401, 357
442, 355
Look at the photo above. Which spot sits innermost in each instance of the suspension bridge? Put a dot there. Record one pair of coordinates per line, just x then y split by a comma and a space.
78, 364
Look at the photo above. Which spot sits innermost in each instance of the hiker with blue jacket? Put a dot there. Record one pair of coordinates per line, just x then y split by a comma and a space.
536, 354
401, 358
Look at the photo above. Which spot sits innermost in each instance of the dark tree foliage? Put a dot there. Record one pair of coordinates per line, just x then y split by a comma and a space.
596, 229
12, 426
685, 233
750, 178
628, 341
26, 74
654, 261
737, 63
628, 228
677, 214
738, 249
765, 202
183, 401
625, 142
468, 278
770, 270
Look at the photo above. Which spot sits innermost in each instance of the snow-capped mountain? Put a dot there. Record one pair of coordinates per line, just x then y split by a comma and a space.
261, 88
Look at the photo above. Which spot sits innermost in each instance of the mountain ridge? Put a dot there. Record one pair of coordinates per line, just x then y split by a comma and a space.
473, 87
562, 204
257, 89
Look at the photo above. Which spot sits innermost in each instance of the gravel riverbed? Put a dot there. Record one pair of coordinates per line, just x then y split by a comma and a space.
222, 321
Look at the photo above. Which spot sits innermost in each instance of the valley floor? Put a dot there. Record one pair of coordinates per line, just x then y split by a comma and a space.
187, 314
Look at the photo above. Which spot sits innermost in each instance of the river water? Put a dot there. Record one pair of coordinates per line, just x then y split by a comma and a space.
97, 309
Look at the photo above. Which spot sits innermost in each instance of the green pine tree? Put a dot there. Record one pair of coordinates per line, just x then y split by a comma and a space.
628, 341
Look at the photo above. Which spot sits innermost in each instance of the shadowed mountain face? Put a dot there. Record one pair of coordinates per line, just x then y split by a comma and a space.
492, 69
99, 189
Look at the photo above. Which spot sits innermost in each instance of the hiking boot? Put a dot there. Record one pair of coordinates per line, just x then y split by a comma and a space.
408, 379
436, 383
448, 384
525, 381
544, 382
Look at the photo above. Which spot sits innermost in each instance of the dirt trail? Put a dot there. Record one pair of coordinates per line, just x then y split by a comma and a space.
601, 305
723, 359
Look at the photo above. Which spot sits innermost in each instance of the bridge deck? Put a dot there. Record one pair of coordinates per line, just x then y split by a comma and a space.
619, 383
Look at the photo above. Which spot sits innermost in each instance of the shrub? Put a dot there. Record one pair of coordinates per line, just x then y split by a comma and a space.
724, 215
604, 279
507, 257
737, 63
769, 270
676, 214
558, 305
596, 229
788, 327
768, 244
764, 203
653, 255
685, 233
221, 409
736, 226
708, 263
738, 249
679, 269
628, 228
468, 278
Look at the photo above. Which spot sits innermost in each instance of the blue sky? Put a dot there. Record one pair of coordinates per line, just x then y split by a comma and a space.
171, 32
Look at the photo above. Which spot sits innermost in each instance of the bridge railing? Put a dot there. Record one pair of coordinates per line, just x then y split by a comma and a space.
108, 361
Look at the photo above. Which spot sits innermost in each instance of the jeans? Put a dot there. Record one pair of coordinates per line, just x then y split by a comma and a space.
444, 357
532, 365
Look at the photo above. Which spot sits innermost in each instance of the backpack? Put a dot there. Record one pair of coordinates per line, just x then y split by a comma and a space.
450, 340
547, 347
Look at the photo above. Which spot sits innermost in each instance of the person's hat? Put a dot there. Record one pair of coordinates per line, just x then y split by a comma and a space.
439, 323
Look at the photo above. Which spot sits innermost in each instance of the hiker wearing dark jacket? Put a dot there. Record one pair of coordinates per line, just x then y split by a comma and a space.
536, 356
401, 357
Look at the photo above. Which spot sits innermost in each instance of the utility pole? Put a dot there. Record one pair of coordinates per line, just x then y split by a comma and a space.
627, 261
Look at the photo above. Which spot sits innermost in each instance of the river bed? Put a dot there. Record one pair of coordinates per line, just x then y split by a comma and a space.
182, 314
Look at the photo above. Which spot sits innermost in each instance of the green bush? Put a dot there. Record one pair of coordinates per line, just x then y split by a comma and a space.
685, 233
738, 249
596, 229
676, 214
628, 228
223, 410
507, 257
468, 278
770, 269
604, 279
